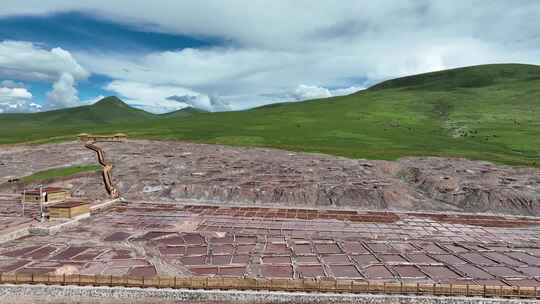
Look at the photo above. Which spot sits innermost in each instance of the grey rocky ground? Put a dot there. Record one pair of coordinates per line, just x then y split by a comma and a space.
169, 171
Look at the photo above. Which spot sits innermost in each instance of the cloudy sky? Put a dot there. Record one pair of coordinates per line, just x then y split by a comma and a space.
228, 55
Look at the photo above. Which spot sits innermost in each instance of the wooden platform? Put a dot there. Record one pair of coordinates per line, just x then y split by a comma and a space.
109, 137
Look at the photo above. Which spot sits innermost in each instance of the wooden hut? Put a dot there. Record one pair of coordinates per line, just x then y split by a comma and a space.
50, 194
68, 209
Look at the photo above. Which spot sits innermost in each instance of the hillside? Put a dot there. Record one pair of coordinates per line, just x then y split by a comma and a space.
107, 110
484, 112
468, 77
185, 112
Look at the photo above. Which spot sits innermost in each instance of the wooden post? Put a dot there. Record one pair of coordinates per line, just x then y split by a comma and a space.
22, 201
467, 293
484, 290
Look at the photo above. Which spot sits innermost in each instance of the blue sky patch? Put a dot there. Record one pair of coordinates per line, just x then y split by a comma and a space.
78, 31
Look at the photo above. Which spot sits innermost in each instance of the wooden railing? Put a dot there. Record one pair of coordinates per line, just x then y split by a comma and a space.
110, 137
289, 285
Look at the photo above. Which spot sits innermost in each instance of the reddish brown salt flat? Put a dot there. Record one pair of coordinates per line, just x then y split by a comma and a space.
117, 237
422, 258
145, 271
276, 259
335, 259
378, 272
128, 239
439, 272
408, 271
449, 259
473, 272
221, 259
365, 259
345, 271
307, 260
69, 253
502, 271
311, 271
274, 271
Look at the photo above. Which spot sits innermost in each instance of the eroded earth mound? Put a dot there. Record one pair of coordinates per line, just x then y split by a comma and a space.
169, 171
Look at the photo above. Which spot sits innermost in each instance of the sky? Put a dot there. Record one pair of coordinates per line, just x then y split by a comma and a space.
164, 55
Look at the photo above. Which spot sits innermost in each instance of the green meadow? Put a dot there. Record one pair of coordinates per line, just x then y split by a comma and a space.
489, 112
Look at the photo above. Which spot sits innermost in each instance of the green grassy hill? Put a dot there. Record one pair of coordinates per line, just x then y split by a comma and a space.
486, 112
185, 112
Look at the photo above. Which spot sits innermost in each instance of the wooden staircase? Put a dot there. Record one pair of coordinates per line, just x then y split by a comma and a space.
107, 168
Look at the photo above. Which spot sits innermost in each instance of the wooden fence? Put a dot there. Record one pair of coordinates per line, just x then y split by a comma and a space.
290, 285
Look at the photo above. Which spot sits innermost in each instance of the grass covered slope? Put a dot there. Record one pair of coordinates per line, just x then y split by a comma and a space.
486, 112
59, 172
37, 126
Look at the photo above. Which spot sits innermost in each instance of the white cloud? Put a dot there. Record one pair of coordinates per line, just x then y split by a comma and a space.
272, 46
306, 92
64, 93
27, 61
163, 98
204, 102
240, 76
17, 93
346, 91
195, 68
303, 92
289, 24
250, 72
18, 99
306, 24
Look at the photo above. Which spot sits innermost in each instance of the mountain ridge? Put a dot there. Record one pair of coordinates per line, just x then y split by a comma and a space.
488, 112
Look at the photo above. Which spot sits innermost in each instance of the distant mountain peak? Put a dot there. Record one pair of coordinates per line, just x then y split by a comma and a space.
111, 100
184, 112
192, 110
